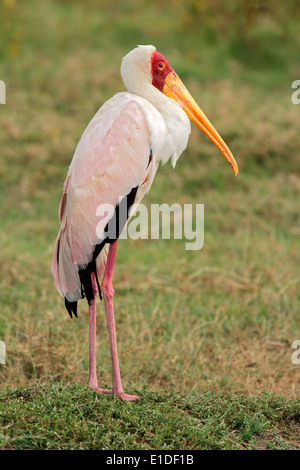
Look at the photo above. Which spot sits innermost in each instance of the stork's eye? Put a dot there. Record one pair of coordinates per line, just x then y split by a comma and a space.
161, 65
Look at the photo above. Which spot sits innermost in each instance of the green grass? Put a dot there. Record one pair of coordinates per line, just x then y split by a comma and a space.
194, 328
63, 417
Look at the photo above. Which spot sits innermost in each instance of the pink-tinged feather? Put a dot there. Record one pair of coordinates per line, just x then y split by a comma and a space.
111, 158
54, 265
63, 201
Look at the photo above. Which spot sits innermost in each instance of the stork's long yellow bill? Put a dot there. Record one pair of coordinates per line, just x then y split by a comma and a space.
174, 88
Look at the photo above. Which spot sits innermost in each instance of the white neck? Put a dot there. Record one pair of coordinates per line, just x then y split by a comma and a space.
137, 77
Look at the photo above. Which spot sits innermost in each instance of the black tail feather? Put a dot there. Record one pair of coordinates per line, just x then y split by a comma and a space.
71, 307
86, 287
86, 283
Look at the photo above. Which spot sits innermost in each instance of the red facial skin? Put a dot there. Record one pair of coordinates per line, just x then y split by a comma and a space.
160, 68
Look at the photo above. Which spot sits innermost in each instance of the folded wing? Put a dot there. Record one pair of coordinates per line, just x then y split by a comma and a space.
111, 159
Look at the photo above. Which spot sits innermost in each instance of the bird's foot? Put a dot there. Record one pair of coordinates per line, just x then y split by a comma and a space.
126, 397
123, 396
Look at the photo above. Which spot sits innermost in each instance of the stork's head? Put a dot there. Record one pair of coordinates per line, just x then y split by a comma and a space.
144, 71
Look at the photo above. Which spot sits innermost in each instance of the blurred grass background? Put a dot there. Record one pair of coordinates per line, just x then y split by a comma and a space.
219, 319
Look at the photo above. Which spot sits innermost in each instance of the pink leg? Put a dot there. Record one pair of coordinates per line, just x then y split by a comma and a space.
92, 370
108, 294
93, 383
